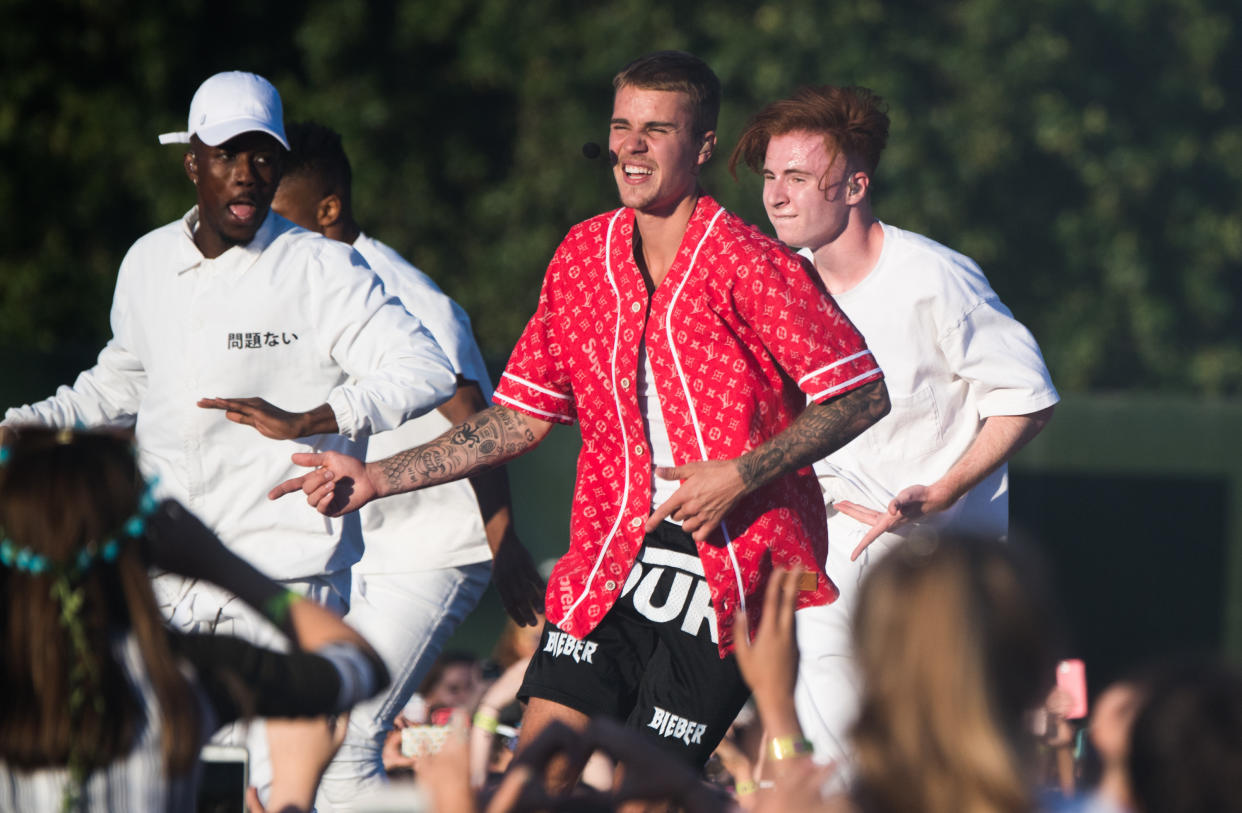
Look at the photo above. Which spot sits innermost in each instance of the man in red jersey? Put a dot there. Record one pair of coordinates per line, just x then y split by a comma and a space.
686, 346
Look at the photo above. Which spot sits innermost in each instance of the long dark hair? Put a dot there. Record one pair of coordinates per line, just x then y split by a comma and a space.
65, 696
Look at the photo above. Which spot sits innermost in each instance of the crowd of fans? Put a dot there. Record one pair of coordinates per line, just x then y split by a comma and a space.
955, 646
960, 713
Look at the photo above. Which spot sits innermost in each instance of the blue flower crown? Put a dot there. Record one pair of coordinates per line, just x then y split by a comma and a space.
27, 561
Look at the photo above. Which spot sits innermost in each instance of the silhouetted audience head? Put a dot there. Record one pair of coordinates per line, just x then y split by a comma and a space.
454, 680
954, 644
1186, 742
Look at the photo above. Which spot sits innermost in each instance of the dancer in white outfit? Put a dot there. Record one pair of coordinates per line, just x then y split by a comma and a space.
292, 330
428, 553
967, 382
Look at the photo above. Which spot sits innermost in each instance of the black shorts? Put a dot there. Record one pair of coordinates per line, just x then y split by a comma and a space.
652, 662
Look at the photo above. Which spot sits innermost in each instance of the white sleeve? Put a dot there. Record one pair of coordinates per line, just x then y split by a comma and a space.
397, 370
450, 325
447, 321
1000, 359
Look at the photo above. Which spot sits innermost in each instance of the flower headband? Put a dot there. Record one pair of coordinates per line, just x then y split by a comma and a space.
26, 560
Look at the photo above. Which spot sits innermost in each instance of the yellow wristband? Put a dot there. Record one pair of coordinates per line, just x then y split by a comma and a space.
787, 747
486, 722
745, 788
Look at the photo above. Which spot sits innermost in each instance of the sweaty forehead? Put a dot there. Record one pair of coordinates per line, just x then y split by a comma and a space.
799, 150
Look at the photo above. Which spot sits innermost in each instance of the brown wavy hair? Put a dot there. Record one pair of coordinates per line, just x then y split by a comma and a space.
58, 492
852, 120
954, 646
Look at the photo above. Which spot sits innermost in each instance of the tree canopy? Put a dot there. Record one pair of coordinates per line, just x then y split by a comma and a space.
1087, 153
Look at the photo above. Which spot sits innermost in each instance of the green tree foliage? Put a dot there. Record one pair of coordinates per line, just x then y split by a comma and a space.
1088, 153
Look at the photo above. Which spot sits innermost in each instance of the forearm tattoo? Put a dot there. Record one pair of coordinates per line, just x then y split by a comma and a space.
484, 440
819, 431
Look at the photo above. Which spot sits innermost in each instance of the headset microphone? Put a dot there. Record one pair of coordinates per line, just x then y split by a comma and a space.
591, 150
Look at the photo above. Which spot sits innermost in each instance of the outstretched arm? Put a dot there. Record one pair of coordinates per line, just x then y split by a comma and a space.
341, 484
710, 488
1000, 439
514, 573
107, 394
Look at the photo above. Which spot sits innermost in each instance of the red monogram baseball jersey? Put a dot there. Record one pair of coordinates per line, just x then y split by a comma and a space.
739, 336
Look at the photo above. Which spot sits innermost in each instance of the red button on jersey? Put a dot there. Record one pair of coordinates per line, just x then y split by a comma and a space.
738, 335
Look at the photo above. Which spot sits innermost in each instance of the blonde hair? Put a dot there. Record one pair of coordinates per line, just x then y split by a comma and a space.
953, 645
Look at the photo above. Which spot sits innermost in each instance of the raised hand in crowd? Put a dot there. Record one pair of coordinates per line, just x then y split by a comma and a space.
769, 663
524, 786
301, 749
486, 718
744, 772
799, 788
444, 773
646, 773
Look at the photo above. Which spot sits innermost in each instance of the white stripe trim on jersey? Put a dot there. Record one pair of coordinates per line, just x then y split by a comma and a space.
662, 557
502, 397
828, 367
685, 385
869, 374
532, 385
668, 329
625, 442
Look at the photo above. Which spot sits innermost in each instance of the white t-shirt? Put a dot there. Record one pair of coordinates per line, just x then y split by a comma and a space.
435, 527
657, 432
952, 355
291, 317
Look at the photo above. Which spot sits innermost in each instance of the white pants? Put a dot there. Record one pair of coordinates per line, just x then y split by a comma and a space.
828, 689
407, 617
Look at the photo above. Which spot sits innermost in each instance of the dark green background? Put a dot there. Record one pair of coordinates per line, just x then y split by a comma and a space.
1088, 153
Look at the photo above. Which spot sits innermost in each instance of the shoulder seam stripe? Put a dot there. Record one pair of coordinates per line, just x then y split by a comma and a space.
828, 367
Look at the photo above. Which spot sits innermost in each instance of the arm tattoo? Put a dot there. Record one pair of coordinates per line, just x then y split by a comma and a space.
483, 440
820, 430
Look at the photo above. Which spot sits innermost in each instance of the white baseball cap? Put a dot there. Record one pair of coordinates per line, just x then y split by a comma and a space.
229, 104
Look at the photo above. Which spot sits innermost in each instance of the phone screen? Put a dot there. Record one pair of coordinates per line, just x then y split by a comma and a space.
1072, 678
225, 774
